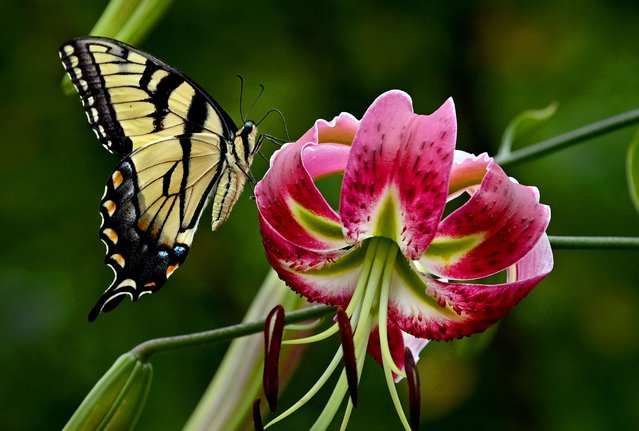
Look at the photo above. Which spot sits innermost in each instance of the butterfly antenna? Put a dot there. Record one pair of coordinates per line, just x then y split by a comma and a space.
241, 97
270, 137
256, 99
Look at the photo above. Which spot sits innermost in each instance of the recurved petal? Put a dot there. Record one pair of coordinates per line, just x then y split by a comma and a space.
289, 201
396, 180
397, 341
500, 223
328, 276
340, 130
437, 310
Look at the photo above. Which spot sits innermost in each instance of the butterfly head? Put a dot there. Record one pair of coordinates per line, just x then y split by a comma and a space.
248, 135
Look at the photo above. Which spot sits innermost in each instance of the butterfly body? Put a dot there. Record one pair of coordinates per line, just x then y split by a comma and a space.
179, 149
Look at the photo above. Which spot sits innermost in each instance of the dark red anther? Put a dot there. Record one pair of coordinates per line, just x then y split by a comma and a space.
257, 416
273, 330
414, 394
348, 347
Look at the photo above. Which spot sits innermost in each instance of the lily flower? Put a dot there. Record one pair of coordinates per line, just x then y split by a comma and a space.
404, 273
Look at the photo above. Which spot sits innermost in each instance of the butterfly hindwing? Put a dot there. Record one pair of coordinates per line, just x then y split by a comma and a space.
132, 98
150, 210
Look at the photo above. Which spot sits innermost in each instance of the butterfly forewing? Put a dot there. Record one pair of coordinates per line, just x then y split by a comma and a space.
132, 98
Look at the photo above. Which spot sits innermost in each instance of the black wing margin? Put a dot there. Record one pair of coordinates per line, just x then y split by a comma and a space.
132, 98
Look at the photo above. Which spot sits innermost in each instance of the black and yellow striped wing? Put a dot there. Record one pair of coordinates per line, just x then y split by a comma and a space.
150, 212
132, 98
179, 149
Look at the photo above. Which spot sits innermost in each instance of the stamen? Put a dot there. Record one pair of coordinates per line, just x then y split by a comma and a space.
313, 338
355, 304
273, 330
348, 346
387, 359
414, 394
314, 390
257, 416
311, 324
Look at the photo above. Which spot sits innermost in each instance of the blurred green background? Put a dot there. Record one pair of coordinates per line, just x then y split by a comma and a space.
566, 358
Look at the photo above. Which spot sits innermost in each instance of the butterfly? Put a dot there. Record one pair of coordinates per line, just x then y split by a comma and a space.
178, 149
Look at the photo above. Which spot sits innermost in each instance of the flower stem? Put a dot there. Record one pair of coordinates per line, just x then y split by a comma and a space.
570, 138
166, 344
594, 242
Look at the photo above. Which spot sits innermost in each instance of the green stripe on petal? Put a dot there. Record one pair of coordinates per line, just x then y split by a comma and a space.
319, 226
347, 263
416, 287
447, 249
386, 218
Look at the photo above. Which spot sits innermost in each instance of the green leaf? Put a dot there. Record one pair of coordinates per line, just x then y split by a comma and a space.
523, 122
632, 169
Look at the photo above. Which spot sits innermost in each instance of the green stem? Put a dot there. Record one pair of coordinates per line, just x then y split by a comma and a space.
594, 242
142, 20
161, 345
114, 16
570, 138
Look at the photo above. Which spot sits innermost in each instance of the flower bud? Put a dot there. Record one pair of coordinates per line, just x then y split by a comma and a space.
116, 401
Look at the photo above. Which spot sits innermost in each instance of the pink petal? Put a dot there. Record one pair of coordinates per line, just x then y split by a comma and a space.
397, 341
396, 180
463, 309
288, 188
467, 171
498, 226
327, 276
340, 130
414, 344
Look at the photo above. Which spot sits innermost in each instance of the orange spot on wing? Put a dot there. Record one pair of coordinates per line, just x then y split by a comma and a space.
110, 206
119, 259
117, 179
171, 269
111, 234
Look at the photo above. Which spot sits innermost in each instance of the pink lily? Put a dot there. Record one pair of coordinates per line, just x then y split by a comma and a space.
402, 273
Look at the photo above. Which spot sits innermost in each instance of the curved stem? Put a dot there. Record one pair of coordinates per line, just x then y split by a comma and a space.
161, 345
593, 242
570, 138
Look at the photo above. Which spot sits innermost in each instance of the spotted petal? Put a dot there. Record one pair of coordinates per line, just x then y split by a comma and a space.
437, 310
396, 180
500, 223
287, 197
328, 276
